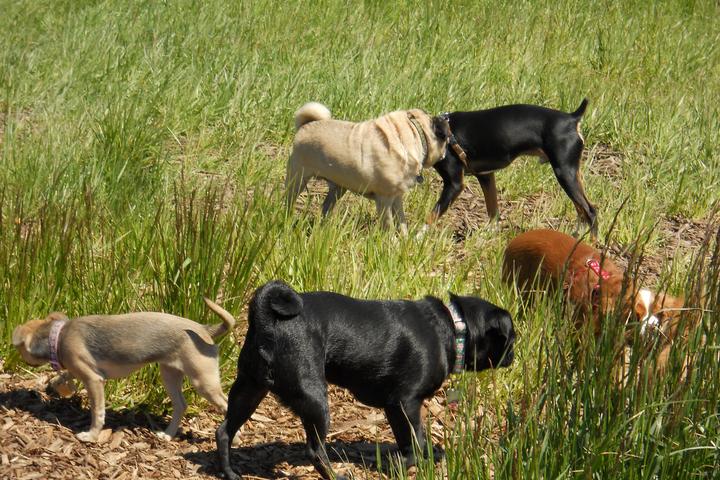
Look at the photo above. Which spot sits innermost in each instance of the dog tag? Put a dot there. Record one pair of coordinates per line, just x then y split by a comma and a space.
419, 179
452, 396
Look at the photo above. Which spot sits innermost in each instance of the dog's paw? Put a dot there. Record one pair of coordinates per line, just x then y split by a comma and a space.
231, 475
421, 233
164, 436
89, 437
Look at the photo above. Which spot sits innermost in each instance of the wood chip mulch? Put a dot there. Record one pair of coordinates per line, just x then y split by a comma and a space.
37, 439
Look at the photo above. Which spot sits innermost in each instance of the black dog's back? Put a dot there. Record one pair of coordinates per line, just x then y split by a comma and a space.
502, 133
372, 348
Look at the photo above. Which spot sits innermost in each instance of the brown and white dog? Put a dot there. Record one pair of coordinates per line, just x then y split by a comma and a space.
593, 284
98, 347
381, 158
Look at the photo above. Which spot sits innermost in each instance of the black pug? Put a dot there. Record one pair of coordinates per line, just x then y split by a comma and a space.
389, 354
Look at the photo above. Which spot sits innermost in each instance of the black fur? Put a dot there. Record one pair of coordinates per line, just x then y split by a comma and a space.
493, 138
441, 128
389, 354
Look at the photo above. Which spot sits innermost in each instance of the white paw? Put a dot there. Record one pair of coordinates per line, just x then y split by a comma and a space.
421, 233
650, 323
87, 437
164, 436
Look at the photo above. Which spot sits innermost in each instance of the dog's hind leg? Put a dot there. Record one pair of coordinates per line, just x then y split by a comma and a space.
295, 182
204, 376
405, 422
245, 396
312, 407
172, 379
487, 183
565, 161
335, 193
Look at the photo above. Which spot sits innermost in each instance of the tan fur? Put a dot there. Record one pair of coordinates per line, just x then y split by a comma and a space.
558, 260
379, 158
99, 347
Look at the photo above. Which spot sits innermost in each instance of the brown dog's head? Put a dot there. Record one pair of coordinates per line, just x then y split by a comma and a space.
31, 339
656, 312
595, 289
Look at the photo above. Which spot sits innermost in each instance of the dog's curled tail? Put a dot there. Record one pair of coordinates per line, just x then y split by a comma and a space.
228, 321
581, 109
279, 300
273, 302
311, 112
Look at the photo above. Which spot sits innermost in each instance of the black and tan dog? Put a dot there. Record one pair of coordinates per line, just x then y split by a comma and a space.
98, 347
389, 354
489, 140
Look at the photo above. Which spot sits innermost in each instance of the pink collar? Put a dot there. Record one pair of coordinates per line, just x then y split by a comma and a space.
55, 329
594, 265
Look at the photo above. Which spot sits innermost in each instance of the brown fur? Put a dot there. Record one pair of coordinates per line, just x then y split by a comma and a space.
558, 260
380, 158
98, 347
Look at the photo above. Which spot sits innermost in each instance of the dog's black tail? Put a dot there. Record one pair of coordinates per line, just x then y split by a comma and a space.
273, 302
581, 109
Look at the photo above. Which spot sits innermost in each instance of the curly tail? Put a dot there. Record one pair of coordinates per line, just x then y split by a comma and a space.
581, 109
271, 303
219, 328
311, 112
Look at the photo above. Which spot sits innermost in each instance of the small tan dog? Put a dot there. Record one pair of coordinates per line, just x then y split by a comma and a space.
98, 347
381, 158
591, 283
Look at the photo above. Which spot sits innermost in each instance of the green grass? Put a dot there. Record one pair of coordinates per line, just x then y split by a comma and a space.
143, 152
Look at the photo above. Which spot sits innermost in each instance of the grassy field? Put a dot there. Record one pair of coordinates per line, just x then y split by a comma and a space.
143, 147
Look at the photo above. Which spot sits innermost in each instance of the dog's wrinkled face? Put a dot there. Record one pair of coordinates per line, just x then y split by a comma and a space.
491, 337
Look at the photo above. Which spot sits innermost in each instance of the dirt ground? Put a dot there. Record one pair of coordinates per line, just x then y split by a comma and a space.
37, 439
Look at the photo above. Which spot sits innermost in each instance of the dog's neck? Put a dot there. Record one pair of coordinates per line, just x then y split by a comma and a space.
460, 336
53, 341
423, 139
462, 156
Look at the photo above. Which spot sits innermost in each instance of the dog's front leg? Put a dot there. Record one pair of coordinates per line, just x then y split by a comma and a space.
399, 214
406, 425
95, 386
487, 183
451, 171
384, 210
334, 194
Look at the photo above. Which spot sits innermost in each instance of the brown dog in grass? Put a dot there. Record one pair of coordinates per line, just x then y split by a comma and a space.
97, 347
593, 284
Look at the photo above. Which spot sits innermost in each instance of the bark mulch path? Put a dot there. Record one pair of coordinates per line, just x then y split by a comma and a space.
37, 439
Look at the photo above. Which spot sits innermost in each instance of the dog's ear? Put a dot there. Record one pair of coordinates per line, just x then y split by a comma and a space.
286, 302
441, 128
55, 316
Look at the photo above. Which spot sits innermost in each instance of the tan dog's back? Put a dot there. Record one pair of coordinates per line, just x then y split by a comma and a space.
370, 157
135, 338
